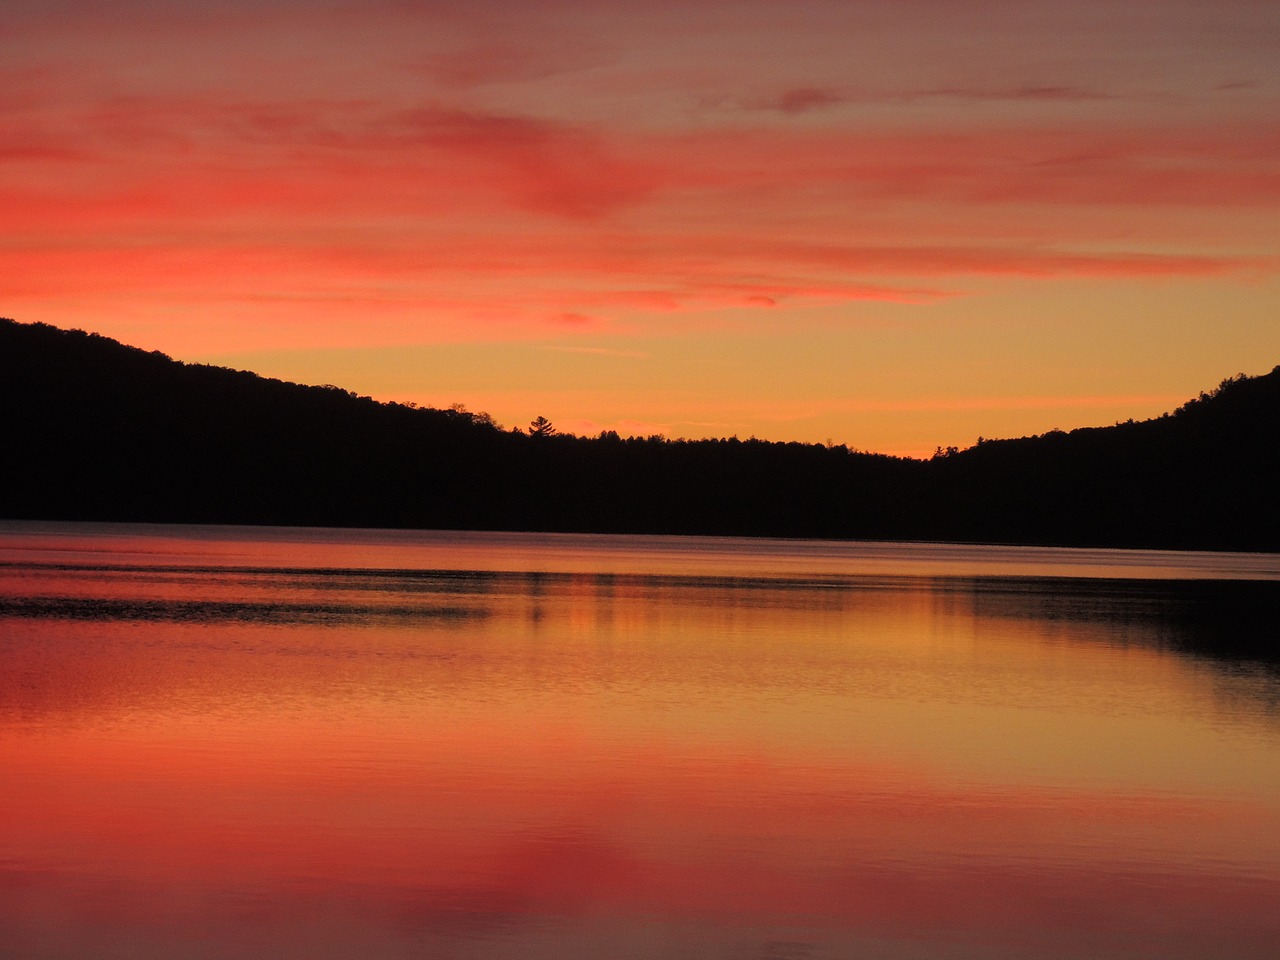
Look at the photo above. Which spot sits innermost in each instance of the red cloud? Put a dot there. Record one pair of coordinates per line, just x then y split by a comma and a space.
502, 215
506, 62
804, 99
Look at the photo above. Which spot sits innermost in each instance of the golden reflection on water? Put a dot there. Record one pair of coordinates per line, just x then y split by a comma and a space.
206, 756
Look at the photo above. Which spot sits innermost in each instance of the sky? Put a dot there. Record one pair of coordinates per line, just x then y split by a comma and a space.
895, 226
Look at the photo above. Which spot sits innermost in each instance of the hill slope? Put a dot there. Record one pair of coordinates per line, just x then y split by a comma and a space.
98, 430
1206, 475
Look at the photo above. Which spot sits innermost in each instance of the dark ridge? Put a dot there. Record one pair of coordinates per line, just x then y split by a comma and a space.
95, 430
1206, 475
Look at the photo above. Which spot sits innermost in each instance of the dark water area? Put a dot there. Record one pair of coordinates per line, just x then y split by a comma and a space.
236, 742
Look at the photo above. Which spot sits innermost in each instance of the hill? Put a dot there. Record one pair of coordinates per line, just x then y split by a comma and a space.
1206, 475
98, 430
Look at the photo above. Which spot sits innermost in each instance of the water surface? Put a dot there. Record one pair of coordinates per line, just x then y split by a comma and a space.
235, 742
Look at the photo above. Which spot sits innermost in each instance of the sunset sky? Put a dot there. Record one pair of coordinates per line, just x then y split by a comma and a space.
895, 225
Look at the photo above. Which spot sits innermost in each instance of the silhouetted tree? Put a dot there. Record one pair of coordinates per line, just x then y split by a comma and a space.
541, 427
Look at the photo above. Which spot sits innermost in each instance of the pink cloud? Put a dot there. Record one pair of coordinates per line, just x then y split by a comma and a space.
507, 61
509, 217
1227, 166
1029, 91
805, 99
373, 157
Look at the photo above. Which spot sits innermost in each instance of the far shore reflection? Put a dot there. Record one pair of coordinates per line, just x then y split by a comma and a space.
331, 743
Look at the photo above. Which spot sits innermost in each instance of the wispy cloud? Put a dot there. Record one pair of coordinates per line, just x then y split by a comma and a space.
510, 61
595, 351
805, 99
798, 100
1029, 91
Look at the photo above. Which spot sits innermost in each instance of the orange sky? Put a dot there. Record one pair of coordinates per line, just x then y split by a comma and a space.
895, 226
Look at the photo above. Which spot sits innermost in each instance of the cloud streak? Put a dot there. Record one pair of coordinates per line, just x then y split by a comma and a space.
426, 171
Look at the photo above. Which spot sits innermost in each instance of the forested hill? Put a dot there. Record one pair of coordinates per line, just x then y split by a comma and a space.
1206, 475
98, 430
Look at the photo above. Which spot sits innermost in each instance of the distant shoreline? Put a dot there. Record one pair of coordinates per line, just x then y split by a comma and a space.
99, 431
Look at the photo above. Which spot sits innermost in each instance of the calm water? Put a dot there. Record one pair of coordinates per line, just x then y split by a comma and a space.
234, 743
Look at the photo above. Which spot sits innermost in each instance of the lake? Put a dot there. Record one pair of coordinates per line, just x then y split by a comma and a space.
223, 742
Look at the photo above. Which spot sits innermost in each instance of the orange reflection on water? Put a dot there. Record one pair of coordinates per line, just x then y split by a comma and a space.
495, 821
289, 762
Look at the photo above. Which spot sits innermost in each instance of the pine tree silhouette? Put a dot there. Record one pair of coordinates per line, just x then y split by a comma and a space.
541, 427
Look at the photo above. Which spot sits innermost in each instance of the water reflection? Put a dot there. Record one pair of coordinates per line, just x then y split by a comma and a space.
232, 758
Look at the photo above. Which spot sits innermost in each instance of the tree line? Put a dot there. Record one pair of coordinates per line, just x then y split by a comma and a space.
96, 430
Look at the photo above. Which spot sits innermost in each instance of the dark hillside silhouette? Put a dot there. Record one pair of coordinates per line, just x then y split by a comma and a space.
98, 430
1206, 475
